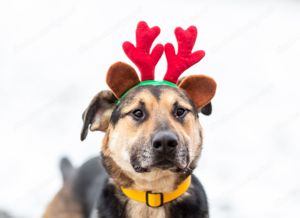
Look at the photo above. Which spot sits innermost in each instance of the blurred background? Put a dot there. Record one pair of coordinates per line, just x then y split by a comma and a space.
54, 55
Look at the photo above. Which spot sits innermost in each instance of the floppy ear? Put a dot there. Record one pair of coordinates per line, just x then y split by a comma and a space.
121, 77
201, 89
98, 113
207, 109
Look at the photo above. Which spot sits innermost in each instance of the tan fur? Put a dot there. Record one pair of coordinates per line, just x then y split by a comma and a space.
140, 210
156, 181
64, 205
115, 172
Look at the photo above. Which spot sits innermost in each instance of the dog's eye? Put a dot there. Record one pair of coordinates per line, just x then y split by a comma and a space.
138, 114
180, 112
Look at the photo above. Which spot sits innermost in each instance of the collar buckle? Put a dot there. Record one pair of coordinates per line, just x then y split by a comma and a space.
151, 199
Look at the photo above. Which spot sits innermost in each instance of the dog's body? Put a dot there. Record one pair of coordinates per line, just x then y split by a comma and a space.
100, 198
153, 138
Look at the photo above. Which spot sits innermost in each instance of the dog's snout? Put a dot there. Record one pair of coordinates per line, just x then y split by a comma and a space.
165, 141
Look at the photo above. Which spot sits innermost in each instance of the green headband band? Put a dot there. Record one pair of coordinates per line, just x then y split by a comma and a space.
147, 83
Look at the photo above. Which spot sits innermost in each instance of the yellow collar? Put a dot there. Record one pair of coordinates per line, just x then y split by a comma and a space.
157, 199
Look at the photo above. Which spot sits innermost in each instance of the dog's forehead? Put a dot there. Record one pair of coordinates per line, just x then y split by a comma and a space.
155, 94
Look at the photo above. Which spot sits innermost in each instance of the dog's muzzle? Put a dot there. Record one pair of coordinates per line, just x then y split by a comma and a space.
164, 151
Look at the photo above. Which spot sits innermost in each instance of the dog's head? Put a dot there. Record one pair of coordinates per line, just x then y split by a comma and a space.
152, 129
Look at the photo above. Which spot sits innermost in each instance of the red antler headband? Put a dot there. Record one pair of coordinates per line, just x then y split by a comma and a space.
177, 63
140, 55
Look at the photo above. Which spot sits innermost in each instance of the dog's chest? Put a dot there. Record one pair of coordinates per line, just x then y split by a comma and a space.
136, 209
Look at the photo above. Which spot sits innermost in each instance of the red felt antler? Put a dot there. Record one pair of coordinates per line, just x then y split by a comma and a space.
178, 63
140, 54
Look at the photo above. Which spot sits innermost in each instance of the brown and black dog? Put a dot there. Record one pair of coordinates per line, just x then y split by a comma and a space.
153, 140
152, 143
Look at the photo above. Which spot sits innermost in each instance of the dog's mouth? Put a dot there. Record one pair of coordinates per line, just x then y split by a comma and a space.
175, 161
162, 164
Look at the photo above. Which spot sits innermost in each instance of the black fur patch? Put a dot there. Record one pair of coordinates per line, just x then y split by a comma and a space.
115, 116
109, 205
207, 109
156, 91
88, 183
136, 165
193, 206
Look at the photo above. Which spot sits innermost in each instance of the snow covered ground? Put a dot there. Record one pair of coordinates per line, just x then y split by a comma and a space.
53, 58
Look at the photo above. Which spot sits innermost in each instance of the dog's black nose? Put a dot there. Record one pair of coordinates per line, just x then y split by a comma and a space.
165, 141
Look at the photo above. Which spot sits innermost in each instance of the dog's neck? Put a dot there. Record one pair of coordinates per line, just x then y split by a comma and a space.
155, 181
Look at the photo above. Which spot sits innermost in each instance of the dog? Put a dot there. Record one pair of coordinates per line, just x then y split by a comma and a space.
152, 143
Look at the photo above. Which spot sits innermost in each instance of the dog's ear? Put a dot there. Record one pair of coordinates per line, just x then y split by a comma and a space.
121, 77
97, 115
201, 89
207, 109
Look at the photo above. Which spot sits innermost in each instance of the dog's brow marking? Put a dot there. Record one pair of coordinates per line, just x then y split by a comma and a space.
183, 104
139, 104
173, 97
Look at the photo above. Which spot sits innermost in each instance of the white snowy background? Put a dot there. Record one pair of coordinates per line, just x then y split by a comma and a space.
54, 55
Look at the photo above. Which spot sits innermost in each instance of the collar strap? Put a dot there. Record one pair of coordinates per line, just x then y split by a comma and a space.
157, 199
147, 83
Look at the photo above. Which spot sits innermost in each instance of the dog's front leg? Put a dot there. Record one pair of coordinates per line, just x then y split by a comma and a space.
109, 204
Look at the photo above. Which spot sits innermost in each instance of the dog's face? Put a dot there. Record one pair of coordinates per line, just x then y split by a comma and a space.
152, 129
155, 127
